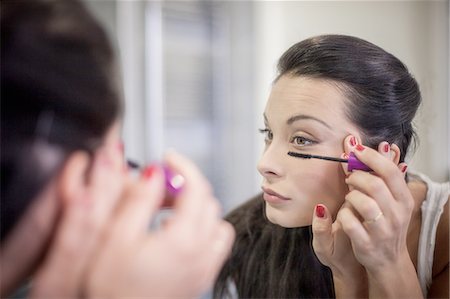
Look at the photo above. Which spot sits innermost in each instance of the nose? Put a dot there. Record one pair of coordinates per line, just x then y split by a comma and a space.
271, 161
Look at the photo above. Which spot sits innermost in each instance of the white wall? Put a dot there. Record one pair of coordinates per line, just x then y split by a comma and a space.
417, 32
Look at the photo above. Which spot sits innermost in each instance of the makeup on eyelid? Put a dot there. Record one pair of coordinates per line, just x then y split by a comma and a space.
173, 182
353, 162
296, 136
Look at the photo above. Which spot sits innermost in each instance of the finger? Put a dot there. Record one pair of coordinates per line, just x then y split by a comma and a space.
341, 240
349, 146
384, 148
353, 227
69, 253
368, 209
388, 171
210, 218
165, 222
403, 168
375, 189
345, 165
322, 234
366, 206
196, 189
139, 204
345, 168
219, 250
204, 226
105, 186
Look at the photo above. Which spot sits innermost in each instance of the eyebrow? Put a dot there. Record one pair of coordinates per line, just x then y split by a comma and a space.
301, 117
306, 117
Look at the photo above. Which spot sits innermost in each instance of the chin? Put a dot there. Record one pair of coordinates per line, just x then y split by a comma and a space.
285, 220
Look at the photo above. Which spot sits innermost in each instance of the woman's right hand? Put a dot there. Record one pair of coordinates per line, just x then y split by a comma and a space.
180, 259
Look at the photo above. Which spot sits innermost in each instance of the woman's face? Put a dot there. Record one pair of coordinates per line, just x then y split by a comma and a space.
304, 115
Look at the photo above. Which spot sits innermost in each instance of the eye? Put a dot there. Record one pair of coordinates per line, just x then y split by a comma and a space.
302, 141
268, 135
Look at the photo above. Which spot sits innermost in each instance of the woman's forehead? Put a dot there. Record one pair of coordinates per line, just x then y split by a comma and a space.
316, 97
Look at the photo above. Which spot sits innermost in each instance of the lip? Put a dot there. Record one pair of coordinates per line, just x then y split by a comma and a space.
273, 197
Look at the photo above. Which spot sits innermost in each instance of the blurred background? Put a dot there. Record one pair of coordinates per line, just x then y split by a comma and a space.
197, 74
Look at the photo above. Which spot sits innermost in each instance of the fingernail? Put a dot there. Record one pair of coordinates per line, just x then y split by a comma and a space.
320, 211
387, 148
148, 172
404, 168
359, 147
353, 141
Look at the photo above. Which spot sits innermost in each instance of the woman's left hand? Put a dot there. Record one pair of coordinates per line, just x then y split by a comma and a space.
377, 224
85, 217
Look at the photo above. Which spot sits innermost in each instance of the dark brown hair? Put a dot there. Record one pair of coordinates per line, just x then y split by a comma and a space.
383, 95
58, 91
269, 261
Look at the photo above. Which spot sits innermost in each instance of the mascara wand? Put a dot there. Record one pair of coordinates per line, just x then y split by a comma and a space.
353, 162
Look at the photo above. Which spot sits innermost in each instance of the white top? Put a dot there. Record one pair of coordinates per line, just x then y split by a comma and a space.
432, 207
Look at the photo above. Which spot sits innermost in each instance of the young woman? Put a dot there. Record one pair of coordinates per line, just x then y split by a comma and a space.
73, 221
318, 230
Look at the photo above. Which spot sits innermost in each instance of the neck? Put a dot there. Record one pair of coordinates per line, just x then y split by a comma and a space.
24, 248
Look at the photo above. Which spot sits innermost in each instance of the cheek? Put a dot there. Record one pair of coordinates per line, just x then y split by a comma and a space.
324, 185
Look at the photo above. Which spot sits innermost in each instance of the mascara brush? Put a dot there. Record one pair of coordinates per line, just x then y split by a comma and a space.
353, 162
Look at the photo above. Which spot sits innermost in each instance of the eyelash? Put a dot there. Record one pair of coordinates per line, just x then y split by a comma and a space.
266, 133
268, 136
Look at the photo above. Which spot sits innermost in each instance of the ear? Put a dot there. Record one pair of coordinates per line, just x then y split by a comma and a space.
395, 153
73, 178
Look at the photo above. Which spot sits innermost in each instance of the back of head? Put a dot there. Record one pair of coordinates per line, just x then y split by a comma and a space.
58, 93
383, 95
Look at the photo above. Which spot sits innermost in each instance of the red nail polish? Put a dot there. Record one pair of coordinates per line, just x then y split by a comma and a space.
320, 211
148, 172
353, 141
359, 147
404, 168
387, 148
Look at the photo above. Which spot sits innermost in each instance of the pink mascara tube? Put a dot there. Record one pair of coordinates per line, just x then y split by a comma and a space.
174, 183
